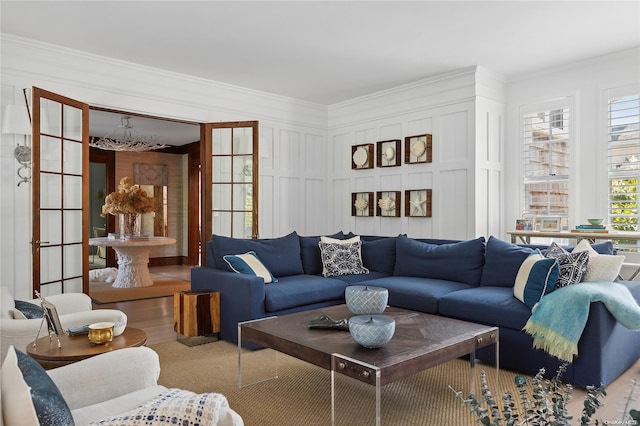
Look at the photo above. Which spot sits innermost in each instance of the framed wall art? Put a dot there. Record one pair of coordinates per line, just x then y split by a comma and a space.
417, 149
388, 153
388, 203
362, 204
362, 156
417, 203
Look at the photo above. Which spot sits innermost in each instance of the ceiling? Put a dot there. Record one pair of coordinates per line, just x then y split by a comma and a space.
332, 51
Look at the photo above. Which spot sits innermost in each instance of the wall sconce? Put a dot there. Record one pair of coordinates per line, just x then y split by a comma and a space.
16, 121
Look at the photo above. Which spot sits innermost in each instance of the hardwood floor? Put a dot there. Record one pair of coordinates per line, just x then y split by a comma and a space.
155, 316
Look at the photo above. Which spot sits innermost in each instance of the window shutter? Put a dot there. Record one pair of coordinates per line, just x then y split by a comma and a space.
623, 143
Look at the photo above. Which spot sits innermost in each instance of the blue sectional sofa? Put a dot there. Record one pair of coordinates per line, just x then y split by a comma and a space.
470, 280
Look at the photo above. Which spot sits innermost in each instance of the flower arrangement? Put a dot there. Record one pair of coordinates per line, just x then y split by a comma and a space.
129, 198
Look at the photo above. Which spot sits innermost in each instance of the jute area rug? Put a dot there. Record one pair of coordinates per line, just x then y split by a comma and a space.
301, 395
103, 292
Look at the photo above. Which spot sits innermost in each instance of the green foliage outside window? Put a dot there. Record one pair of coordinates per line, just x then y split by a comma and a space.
624, 204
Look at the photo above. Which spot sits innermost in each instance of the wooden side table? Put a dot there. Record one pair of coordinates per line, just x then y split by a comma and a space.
76, 348
196, 316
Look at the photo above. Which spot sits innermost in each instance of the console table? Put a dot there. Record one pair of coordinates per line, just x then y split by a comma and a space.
133, 259
525, 236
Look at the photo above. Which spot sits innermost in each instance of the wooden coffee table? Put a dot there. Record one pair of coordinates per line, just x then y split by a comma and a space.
76, 348
420, 341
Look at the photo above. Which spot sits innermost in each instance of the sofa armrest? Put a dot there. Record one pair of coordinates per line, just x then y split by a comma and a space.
108, 375
68, 303
241, 297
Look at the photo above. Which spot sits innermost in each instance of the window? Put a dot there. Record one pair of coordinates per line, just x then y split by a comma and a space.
623, 145
546, 154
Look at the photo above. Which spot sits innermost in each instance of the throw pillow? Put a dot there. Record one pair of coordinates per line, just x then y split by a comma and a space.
310, 253
601, 267
342, 259
502, 262
17, 408
26, 310
536, 277
573, 266
248, 263
174, 406
46, 400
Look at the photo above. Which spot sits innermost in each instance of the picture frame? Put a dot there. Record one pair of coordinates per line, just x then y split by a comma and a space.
388, 153
418, 149
388, 203
550, 223
417, 203
362, 156
362, 204
52, 318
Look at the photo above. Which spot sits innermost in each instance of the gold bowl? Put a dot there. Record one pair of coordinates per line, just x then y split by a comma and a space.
101, 332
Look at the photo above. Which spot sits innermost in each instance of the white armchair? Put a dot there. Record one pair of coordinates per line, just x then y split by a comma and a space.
74, 310
108, 385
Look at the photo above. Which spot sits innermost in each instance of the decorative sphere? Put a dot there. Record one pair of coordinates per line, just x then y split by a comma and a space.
372, 331
366, 300
595, 221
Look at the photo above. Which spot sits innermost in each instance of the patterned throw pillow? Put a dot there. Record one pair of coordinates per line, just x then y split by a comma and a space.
342, 258
174, 406
46, 401
573, 266
248, 263
27, 310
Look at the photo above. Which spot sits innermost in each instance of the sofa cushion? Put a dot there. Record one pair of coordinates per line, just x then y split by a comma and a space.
300, 290
280, 255
536, 277
27, 390
248, 263
379, 255
341, 257
573, 266
461, 262
310, 252
357, 279
419, 294
601, 267
486, 305
502, 262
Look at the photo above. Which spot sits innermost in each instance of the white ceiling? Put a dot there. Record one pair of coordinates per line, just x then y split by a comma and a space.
329, 52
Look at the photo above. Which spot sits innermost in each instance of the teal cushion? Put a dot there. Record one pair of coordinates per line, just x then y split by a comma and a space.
248, 263
50, 406
280, 255
536, 277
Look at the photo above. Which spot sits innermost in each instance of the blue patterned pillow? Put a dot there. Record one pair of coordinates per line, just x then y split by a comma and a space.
50, 406
536, 277
573, 266
28, 310
248, 263
342, 258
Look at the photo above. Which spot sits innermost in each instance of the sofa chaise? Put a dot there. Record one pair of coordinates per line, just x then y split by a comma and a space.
471, 280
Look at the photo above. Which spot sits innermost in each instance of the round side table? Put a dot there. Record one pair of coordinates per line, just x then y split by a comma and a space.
75, 348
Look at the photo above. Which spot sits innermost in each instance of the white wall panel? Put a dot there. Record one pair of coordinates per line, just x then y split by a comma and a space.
289, 150
267, 207
314, 205
288, 218
453, 141
451, 205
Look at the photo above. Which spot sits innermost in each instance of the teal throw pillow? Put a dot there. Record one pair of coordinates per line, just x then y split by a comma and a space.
248, 263
28, 310
536, 277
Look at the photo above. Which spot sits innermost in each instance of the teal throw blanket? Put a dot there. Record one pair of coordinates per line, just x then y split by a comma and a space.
557, 321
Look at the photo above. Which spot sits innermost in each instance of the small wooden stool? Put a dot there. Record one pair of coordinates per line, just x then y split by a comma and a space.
196, 316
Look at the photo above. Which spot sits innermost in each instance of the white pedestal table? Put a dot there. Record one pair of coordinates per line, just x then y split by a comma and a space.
133, 259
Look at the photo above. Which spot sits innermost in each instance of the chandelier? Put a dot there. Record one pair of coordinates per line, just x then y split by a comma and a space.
129, 141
